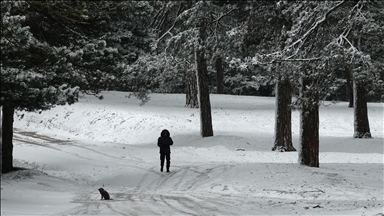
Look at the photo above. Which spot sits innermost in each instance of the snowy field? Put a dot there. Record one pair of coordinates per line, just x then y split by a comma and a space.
71, 151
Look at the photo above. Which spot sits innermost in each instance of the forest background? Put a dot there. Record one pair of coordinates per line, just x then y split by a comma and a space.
300, 52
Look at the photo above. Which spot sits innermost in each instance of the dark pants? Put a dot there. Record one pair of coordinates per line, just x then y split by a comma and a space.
165, 156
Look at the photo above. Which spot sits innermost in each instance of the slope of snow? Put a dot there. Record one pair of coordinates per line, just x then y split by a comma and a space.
71, 151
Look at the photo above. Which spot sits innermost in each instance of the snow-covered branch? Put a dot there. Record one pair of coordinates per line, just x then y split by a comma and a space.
302, 39
300, 60
171, 28
223, 15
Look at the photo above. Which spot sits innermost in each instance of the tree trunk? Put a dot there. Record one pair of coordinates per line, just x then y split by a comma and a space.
348, 76
309, 125
191, 91
361, 112
233, 73
203, 87
7, 136
220, 76
283, 125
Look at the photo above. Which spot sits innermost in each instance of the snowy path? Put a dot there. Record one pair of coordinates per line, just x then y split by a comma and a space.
197, 187
71, 151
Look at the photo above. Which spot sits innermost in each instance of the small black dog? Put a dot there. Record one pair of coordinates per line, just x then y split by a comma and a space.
104, 194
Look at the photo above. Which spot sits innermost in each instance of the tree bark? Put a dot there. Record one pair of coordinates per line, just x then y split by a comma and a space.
362, 129
309, 125
233, 73
206, 129
283, 124
348, 76
6, 139
220, 76
191, 91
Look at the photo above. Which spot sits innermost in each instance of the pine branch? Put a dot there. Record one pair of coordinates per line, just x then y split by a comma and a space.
301, 41
173, 26
223, 15
63, 13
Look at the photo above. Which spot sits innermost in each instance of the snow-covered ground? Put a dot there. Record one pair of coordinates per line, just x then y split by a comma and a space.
71, 151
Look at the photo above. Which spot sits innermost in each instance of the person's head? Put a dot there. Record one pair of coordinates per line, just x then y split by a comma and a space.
165, 133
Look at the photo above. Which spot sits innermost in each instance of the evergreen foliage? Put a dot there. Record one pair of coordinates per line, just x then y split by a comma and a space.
52, 50
33, 75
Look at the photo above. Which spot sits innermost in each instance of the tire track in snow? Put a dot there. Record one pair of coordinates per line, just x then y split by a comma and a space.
147, 197
178, 200
48, 142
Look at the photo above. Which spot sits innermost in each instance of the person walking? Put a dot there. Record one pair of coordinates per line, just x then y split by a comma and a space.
164, 142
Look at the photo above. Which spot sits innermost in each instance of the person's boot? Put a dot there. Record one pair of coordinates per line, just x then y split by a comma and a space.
161, 166
168, 165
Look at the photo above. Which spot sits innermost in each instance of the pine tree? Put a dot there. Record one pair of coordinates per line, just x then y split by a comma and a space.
360, 46
31, 74
283, 125
264, 39
202, 84
311, 53
188, 41
52, 50
309, 120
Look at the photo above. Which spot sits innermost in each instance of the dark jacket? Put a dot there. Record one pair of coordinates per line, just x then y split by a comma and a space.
164, 142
